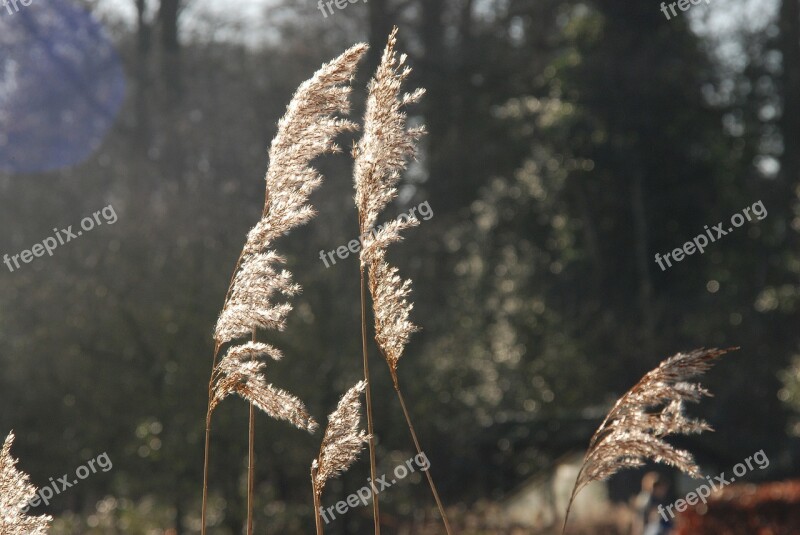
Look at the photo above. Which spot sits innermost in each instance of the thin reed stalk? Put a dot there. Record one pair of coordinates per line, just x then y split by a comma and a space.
380, 158
376, 512
204, 507
569, 505
251, 466
317, 504
211, 381
206, 455
210, 410
251, 461
428, 475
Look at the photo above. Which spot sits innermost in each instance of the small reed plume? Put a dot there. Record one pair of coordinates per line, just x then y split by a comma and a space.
381, 156
635, 428
255, 297
342, 443
241, 372
15, 493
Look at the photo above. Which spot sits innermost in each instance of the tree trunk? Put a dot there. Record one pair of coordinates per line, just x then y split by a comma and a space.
142, 79
790, 123
171, 83
436, 104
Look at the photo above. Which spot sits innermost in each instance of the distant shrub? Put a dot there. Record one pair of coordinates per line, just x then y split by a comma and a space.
769, 509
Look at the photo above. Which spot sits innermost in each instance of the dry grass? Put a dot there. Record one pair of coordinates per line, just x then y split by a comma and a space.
381, 156
634, 430
15, 493
342, 443
256, 298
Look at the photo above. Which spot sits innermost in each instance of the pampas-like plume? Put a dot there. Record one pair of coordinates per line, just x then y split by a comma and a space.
307, 130
15, 493
634, 429
380, 158
342, 443
241, 373
343, 440
255, 296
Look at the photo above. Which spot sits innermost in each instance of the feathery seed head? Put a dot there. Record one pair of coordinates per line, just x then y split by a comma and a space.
15, 493
343, 439
255, 298
247, 379
634, 429
386, 144
307, 130
380, 157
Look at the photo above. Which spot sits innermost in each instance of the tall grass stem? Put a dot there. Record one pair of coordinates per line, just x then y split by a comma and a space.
376, 513
419, 452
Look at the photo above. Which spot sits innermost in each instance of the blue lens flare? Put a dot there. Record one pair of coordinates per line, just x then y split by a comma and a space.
61, 85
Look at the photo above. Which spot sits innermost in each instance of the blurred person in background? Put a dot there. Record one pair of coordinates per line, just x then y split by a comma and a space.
655, 492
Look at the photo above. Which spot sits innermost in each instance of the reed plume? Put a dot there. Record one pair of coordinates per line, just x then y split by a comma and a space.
256, 297
635, 428
15, 493
381, 156
342, 443
241, 372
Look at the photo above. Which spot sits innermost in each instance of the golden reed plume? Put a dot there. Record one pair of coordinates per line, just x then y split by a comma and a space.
343, 441
256, 297
381, 156
635, 428
16, 492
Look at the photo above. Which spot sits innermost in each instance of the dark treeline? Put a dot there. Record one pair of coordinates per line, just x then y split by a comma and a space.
569, 142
